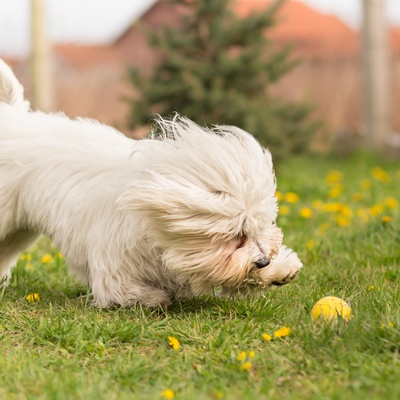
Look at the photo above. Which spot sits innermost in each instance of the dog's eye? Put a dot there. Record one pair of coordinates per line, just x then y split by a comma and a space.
241, 240
220, 193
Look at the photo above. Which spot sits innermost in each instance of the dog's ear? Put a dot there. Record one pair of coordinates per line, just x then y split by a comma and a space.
158, 193
177, 208
155, 193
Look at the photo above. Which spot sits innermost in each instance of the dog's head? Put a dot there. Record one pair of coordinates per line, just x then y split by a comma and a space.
209, 197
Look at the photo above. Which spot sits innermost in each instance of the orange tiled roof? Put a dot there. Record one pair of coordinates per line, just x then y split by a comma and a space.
312, 33
395, 39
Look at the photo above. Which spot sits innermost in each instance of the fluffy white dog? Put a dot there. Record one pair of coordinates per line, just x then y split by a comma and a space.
148, 221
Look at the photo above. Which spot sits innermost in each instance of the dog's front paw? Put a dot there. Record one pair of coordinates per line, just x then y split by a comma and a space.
283, 268
288, 278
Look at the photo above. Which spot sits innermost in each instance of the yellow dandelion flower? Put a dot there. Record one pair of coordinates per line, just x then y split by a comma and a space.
59, 255
336, 191
26, 257
32, 297
174, 342
318, 204
387, 219
310, 244
306, 212
363, 213
251, 354
282, 332
390, 324
323, 228
284, 210
242, 356
332, 207
372, 287
168, 394
342, 220
356, 197
376, 210
47, 258
380, 174
29, 266
292, 197
334, 177
279, 195
391, 202
245, 366
346, 211
266, 337
365, 184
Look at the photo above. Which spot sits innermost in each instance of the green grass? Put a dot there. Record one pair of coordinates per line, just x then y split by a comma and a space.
62, 348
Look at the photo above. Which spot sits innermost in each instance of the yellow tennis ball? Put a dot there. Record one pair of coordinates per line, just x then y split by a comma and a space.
329, 309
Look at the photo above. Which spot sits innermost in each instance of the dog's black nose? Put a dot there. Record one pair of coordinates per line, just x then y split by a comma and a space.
263, 262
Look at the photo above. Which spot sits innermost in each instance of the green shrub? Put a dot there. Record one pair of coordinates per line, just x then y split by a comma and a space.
218, 68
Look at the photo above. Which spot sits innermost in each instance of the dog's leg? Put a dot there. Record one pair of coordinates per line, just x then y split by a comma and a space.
11, 246
111, 290
284, 267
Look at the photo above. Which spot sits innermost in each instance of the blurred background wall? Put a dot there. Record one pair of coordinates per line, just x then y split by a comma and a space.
90, 79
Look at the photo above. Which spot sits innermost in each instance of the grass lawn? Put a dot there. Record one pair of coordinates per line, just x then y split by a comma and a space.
343, 218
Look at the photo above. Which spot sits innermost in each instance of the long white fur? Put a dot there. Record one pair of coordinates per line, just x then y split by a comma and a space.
144, 221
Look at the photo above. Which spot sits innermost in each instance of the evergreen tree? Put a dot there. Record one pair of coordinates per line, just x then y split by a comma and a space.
218, 68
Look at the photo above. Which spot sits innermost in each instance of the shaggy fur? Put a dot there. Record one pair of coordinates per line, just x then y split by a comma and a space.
172, 216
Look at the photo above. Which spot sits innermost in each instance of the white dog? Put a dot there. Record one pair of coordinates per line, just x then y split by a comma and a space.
147, 221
